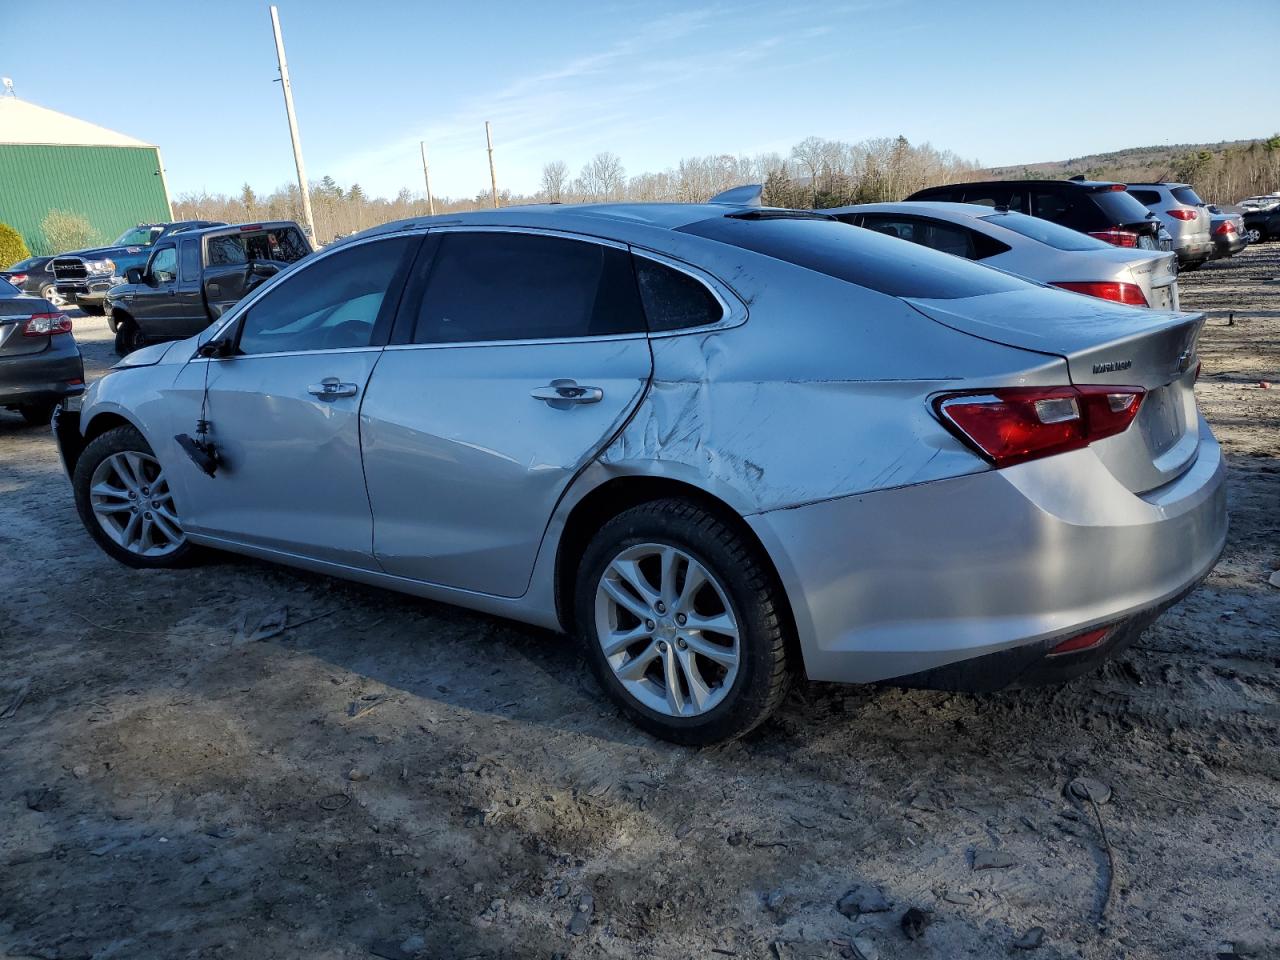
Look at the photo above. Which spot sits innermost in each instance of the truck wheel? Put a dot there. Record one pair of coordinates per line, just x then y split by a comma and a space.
112, 322
128, 337
50, 292
37, 414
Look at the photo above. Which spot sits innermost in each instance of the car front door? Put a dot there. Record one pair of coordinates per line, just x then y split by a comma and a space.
284, 408
153, 301
190, 316
519, 356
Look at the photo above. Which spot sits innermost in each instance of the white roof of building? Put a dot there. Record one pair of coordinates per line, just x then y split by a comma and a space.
23, 122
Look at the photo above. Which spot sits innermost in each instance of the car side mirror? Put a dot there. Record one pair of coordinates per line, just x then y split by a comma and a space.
133, 274
217, 349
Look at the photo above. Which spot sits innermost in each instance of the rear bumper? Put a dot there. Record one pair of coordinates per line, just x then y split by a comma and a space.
897, 585
1189, 251
1229, 248
44, 377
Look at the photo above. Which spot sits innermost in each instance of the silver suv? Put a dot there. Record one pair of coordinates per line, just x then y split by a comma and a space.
1183, 214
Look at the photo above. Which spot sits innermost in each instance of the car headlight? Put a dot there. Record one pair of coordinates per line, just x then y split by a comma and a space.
100, 266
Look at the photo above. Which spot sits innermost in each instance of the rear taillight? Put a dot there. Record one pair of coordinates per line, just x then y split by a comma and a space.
17, 279
1224, 228
1014, 424
1129, 293
46, 325
1117, 238
1182, 214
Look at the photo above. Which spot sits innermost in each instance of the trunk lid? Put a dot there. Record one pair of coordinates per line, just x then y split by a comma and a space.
1108, 345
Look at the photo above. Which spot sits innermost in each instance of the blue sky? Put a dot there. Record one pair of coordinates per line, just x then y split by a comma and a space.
652, 81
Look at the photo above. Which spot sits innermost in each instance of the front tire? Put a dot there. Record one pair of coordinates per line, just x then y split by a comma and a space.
1254, 234
50, 292
124, 501
683, 622
128, 337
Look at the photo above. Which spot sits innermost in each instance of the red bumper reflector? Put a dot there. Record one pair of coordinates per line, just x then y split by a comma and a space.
1085, 641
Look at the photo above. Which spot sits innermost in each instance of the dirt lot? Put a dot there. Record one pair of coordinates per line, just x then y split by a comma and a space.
394, 778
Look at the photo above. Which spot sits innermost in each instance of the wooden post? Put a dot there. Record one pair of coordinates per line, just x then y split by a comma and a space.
426, 175
293, 127
493, 177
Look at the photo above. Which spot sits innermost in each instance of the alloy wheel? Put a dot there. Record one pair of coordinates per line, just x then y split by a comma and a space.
1254, 234
50, 293
130, 498
667, 629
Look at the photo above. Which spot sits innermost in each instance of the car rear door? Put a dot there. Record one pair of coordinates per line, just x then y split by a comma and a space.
519, 356
284, 408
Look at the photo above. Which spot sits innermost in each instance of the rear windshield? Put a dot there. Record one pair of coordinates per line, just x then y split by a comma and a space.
1120, 206
7, 289
869, 259
1186, 195
1046, 231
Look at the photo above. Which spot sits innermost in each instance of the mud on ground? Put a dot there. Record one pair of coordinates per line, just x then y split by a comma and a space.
396, 778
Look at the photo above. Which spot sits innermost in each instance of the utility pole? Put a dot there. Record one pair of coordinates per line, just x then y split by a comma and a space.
493, 177
426, 175
293, 126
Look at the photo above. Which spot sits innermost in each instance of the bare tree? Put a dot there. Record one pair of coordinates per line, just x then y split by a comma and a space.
809, 154
603, 177
555, 181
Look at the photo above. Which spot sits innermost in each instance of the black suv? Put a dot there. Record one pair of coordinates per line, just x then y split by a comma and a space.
1096, 207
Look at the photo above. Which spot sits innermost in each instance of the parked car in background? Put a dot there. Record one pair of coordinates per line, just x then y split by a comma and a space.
34, 276
83, 277
1183, 214
1262, 224
1227, 230
40, 363
190, 279
1037, 249
895, 465
1264, 202
1102, 209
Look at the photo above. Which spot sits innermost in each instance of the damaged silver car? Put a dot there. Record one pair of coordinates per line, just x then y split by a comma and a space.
721, 444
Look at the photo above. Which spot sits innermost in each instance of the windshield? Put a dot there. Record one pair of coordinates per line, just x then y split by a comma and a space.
138, 237
1053, 234
872, 260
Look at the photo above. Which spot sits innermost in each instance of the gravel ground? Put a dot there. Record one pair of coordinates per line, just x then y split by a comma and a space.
396, 778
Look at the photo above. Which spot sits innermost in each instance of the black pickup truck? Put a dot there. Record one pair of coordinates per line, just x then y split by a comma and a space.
190, 279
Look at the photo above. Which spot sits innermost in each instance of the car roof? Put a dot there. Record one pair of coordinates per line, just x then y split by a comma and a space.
1083, 184
618, 220
238, 227
973, 211
1159, 183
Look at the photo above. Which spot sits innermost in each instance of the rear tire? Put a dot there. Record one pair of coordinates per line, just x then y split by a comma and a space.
1254, 234
37, 414
688, 684
124, 502
128, 337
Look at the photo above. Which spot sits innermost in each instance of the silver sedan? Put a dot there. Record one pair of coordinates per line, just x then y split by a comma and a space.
722, 445
1028, 246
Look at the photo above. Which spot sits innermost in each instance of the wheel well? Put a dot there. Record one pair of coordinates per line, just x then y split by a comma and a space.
102, 423
611, 498
120, 314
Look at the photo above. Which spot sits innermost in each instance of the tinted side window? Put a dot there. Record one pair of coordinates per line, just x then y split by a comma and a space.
164, 265
1150, 197
674, 300
189, 254
946, 237
333, 304
486, 286
994, 196
1054, 205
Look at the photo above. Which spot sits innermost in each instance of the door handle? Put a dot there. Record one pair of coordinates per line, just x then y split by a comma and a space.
330, 388
563, 394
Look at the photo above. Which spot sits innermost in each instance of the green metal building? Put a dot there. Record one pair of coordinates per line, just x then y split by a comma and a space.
50, 161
